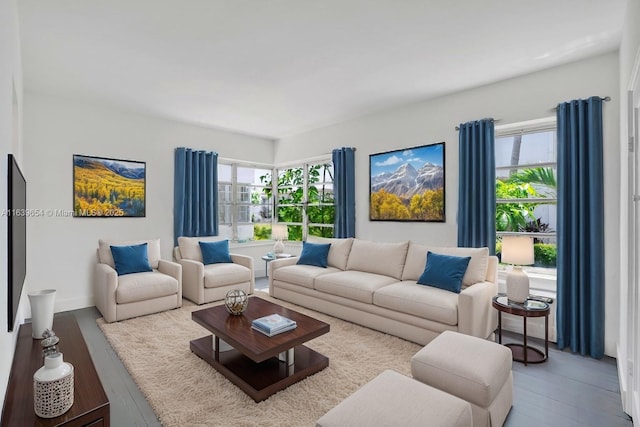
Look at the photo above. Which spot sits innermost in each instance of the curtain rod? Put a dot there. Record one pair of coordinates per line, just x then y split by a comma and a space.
493, 120
602, 98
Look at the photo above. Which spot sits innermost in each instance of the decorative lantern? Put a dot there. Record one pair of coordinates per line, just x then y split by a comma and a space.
236, 301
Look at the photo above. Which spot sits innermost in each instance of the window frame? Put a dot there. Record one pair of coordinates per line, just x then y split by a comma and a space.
543, 279
235, 204
305, 165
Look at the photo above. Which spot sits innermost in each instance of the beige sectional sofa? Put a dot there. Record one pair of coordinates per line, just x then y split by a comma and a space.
375, 285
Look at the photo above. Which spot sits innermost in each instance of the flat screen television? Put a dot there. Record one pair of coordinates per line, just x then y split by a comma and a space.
16, 237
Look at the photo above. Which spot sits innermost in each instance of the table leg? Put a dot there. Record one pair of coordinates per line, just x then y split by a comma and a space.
525, 340
499, 327
546, 336
216, 352
266, 269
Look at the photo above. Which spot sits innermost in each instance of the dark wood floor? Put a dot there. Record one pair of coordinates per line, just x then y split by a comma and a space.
567, 390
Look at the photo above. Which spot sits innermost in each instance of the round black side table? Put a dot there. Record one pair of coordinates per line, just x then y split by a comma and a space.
529, 308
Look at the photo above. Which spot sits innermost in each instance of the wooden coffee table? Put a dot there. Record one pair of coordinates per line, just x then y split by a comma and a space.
258, 364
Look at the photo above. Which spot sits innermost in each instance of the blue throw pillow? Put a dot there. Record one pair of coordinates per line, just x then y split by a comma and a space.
444, 271
314, 254
130, 259
215, 252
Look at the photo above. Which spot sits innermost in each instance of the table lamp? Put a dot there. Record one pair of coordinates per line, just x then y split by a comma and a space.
279, 232
518, 251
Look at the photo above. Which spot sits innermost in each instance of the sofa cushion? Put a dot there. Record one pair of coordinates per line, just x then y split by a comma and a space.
145, 286
314, 254
130, 259
422, 301
338, 252
303, 275
476, 270
444, 271
223, 274
105, 256
379, 258
355, 285
190, 246
215, 252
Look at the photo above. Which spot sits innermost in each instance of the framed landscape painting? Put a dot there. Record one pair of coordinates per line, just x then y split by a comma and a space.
104, 187
408, 184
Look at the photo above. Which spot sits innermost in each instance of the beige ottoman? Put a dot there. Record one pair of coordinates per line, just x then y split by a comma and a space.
391, 399
474, 369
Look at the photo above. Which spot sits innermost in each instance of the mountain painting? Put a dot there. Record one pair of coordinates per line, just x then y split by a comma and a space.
408, 184
105, 187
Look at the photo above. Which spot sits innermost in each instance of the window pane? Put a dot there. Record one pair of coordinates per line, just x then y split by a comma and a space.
289, 213
321, 193
243, 213
295, 233
262, 231
225, 214
321, 231
530, 148
224, 172
224, 192
321, 214
532, 182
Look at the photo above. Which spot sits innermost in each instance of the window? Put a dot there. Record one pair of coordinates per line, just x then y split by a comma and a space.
245, 207
526, 198
305, 199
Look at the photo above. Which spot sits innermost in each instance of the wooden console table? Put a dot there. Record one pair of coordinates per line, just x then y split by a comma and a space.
90, 406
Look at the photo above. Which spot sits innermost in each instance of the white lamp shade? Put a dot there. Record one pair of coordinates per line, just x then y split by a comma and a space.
279, 232
517, 250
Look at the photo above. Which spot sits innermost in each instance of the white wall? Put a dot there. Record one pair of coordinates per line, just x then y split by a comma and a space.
519, 99
10, 142
61, 250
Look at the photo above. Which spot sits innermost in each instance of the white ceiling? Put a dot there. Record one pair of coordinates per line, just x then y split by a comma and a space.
279, 67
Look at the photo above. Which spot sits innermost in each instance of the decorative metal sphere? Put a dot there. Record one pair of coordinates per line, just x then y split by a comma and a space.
236, 301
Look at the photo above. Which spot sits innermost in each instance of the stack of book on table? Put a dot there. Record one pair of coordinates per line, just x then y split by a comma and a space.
273, 324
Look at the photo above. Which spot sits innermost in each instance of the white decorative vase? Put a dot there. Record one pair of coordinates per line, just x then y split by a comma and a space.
53, 387
42, 304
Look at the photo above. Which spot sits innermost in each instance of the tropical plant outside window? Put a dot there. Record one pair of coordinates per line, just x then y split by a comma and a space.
526, 186
304, 199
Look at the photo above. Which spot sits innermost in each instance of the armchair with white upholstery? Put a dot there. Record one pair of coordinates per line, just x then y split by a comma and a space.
120, 297
205, 283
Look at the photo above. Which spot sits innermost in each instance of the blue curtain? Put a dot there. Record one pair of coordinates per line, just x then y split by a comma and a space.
195, 193
344, 188
580, 300
477, 185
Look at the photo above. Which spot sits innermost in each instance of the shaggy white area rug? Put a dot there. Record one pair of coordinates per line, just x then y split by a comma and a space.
184, 390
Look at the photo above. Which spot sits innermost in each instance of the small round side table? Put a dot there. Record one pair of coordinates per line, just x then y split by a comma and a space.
529, 308
267, 259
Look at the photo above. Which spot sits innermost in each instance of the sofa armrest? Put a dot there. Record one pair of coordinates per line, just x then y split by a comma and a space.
246, 261
174, 270
193, 280
476, 316
278, 263
105, 285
